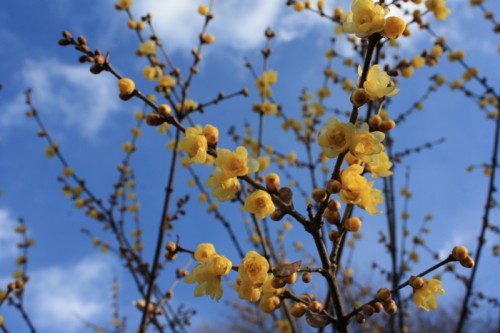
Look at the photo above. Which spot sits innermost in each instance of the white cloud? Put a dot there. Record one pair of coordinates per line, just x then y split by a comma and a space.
59, 296
66, 92
8, 237
237, 24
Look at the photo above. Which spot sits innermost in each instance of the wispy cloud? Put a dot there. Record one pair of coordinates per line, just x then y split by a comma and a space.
61, 296
8, 237
66, 92
238, 24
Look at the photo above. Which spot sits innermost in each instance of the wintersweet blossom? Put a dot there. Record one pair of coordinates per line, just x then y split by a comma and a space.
203, 252
147, 48
380, 165
438, 7
357, 190
264, 81
364, 144
260, 204
252, 275
223, 188
426, 296
209, 276
237, 163
335, 137
365, 18
194, 143
378, 83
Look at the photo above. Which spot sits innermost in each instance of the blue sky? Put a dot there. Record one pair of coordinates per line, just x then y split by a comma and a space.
84, 114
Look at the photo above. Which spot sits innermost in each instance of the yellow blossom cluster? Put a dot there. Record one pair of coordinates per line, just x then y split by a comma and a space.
208, 273
365, 18
357, 190
425, 297
229, 165
263, 83
253, 276
438, 7
195, 145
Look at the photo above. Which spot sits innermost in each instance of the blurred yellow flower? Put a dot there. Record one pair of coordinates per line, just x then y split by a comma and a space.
426, 297
209, 276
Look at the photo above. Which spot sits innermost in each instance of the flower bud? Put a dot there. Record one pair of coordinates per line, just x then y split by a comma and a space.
460, 252
375, 121
272, 182
171, 247
383, 295
394, 27
360, 319
298, 310
416, 282
154, 119
316, 306
333, 186
307, 277
212, 134
390, 307
126, 86
319, 194
353, 224
368, 310
467, 262
164, 110
334, 205
359, 97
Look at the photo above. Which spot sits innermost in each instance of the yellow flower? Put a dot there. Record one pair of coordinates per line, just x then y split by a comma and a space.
252, 275
357, 190
166, 81
209, 276
438, 7
188, 105
195, 145
123, 4
149, 73
378, 83
380, 165
223, 188
147, 48
264, 162
364, 144
203, 10
264, 81
335, 137
234, 164
425, 297
260, 204
394, 27
204, 251
364, 19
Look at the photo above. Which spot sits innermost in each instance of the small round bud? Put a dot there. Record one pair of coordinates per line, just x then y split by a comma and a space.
375, 121
416, 282
170, 255
334, 205
307, 277
207, 38
333, 235
11, 286
332, 217
360, 319
203, 10
299, 6
164, 110
377, 307
319, 194
126, 86
277, 215
368, 310
316, 306
333, 186
394, 27
291, 279
169, 294
273, 182
359, 97
390, 307
387, 125
171, 247
467, 262
353, 224
383, 295
154, 119
19, 284
460, 252
298, 310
